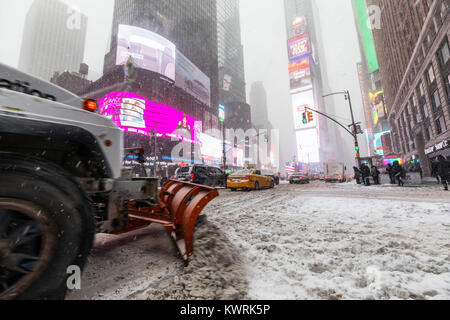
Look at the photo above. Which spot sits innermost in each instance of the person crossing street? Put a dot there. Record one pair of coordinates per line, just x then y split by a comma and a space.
443, 171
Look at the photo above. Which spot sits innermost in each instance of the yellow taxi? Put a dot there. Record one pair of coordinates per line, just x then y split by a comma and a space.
249, 179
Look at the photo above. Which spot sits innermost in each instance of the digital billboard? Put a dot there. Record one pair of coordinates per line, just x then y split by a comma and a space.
298, 46
301, 101
300, 73
298, 27
192, 80
379, 111
308, 146
367, 36
146, 49
135, 114
211, 148
378, 142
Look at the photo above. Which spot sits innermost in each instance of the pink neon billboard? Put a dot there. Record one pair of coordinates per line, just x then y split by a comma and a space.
133, 113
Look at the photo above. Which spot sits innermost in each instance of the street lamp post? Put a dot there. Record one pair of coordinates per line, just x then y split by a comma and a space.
355, 133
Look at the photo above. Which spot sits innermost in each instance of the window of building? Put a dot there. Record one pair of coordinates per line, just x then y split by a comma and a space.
425, 111
444, 53
430, 75
428, 133
438, 127
421, 89
447, 85
443, 125
436, 100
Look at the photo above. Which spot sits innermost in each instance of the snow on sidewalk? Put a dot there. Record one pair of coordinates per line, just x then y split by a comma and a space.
302, 244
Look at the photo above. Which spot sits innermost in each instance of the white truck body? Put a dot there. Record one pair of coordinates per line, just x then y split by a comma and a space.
334, 172
38, 104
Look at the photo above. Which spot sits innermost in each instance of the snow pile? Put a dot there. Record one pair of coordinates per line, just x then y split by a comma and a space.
215, 271
300, 245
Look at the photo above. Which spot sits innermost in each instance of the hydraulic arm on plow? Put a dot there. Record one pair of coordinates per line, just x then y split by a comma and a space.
177, 208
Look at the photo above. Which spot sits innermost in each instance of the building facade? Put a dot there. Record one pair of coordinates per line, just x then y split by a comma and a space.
230, 53
75, 82
306, 85
53, 39
414, 62
190, 25
378, 133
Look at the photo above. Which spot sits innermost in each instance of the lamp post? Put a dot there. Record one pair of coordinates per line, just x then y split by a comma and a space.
222, 120
355, 133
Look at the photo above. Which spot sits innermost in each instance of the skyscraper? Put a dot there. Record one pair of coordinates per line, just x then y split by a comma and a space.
190, 25
306, 83
258, 102
53, 40
230, 52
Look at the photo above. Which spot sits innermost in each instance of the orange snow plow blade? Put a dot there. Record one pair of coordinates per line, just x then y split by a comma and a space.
180, 204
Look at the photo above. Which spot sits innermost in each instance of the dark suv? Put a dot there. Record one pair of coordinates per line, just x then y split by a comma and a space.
272, 174
204, 175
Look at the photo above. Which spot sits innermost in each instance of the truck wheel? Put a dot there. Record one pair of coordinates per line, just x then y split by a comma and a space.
46, 225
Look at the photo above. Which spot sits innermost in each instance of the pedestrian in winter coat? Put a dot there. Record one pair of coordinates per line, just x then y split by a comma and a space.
358, 175
365, 170
443, 170
434, 170
399, 173
375, 173
390, 172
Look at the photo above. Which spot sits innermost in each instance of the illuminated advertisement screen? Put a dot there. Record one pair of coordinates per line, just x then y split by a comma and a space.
391, 161
387, 143
298, 46
301, 101
211, 148
135, 114
146, 49
308, 146
366, 34
192, 80
379, 111
378, 142
300, 73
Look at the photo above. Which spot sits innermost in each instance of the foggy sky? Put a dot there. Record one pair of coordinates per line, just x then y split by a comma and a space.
99, 13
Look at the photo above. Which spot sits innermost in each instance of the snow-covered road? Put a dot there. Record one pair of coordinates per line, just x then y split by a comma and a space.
318, 241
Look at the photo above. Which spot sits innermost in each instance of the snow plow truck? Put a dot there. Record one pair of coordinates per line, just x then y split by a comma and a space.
62, 181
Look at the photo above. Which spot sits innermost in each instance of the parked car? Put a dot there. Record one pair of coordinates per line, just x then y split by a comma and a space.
298, 178
200, 174
272, 174
249, 179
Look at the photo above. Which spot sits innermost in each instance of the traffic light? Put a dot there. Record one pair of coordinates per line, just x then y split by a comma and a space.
310, 116
305, 121
356, 146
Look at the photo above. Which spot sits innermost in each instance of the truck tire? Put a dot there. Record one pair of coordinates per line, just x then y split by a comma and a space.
46, 225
